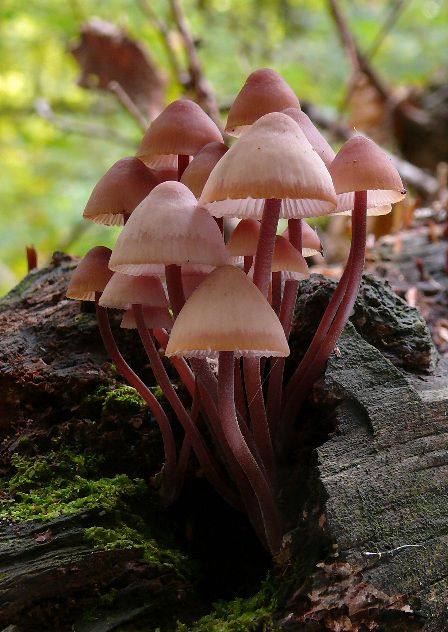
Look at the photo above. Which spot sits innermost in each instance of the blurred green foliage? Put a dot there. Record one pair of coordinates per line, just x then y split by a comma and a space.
47, 173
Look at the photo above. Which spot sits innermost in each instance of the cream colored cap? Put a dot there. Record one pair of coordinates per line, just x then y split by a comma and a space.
167, 228
273, 159
323, 148
183, 128
124, 290
288, 261
227, 312
264, 91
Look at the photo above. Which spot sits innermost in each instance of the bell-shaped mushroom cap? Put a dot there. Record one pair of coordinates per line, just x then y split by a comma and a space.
183, 128
124, 290
196, 174
273, 159
227, 312
360, 165
311, 244
244, 240
264, 91
288, 260
155, 318
167, 228
317, 141
91, 275
119, 191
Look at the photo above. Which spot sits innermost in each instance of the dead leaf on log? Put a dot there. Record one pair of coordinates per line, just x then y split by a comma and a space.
44, 536
106, 54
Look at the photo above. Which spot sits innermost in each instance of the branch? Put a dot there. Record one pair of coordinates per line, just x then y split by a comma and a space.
204, 92
128, 103
160, 26
43, 108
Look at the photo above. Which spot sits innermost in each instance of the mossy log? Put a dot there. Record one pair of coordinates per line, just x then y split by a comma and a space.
364, 492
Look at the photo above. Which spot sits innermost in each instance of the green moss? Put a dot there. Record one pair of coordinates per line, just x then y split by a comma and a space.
124, 401
122, 536
63, 482
253, 614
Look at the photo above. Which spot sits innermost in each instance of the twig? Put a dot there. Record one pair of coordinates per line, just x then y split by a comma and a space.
127, 102
43, 108
147, 9
204, 92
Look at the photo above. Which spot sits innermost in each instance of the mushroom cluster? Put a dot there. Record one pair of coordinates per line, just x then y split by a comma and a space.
222, 312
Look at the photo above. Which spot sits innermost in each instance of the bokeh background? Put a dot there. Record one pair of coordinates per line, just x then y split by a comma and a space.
60, 130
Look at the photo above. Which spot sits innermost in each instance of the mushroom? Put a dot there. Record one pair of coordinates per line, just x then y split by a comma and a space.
119, 191
227, 316
364, 177
180, 131
264, 91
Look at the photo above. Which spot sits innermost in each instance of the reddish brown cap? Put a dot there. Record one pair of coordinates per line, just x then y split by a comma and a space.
119, 191
167, 228
183, 128
91, 275
227, 312
360, 165
264, 91
196, 174
272, 159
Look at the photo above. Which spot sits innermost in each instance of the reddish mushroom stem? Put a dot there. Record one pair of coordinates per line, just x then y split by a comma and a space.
182, 163
173, 274
205, 459
265, 246
261, 487
259, 421
321, 331
248, 263
298, 390
169, 487
184, 371
274, 400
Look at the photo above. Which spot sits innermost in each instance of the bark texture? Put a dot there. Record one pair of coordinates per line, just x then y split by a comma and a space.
364, 493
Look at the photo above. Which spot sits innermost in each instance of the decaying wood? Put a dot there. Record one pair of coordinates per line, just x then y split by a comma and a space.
365, 491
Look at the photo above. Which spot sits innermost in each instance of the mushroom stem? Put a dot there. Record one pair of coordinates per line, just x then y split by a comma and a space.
265, 246
173, 274
355, 266
242, 453
257, 410
182, 163
274, 400
321, 331
205, 459
169, 487
184, 371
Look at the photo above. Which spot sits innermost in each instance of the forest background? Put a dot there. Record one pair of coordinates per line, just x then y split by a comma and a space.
57, 139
